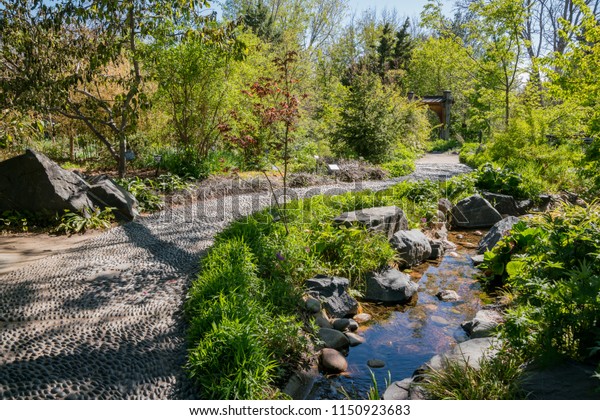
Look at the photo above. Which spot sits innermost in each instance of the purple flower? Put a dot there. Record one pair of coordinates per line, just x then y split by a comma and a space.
424, 220
280, 257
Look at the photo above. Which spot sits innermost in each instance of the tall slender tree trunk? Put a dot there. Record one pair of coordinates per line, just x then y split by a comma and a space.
122, 164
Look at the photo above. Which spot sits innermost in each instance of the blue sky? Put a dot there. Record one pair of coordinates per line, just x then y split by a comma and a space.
404, 7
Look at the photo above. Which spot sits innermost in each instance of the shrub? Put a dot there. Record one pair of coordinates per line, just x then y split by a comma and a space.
551, 266
72, 222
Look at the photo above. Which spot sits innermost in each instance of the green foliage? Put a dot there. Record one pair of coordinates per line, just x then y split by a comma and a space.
375, 120
68, 223
15, 221
240, 343
71, 222
149, 192
496, 378
502, 181
551, 266
397, 168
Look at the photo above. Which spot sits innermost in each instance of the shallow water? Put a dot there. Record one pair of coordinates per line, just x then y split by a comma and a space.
406, 337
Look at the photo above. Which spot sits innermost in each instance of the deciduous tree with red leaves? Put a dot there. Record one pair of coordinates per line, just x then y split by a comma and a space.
276, 108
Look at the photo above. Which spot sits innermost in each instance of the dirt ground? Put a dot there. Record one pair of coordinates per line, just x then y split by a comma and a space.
18, 250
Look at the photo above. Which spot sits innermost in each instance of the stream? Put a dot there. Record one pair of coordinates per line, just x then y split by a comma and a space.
405, 337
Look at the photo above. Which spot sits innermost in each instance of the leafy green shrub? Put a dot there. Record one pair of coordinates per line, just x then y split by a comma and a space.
71, 222
398, 168
14, 221
551, 267
459, 187
441, 145
506, 181
149, 191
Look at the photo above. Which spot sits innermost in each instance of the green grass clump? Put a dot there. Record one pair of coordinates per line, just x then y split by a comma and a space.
496, 378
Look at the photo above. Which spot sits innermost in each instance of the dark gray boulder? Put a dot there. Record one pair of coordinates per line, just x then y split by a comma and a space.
474, 212
412, 245
105, 192
32, 182
387, 220
437, 249
333, 292
333, 339
497, 232
504, 204
390, 286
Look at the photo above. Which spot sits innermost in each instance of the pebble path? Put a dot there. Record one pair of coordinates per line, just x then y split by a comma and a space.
105, 321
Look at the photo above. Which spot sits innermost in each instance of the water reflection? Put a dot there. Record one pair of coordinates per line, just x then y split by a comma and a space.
409, 337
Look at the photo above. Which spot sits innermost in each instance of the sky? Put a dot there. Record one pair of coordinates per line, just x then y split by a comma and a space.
404, 7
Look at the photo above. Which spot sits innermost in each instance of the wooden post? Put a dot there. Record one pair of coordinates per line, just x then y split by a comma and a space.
447, 106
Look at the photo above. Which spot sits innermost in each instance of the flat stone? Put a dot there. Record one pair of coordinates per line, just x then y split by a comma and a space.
390, 286
470, 351
484, 324
477, 259
567, 380
412, 245
375, 363
399, 390
448, 296
333, 339
387, 220
497, 232
354, 339
362, 318
439, 320
474, 212
332, 361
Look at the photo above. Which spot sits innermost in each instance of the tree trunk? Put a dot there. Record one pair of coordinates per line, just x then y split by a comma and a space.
122, 165
506, 105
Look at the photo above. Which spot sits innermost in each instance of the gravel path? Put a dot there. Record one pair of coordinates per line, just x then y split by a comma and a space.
105, 322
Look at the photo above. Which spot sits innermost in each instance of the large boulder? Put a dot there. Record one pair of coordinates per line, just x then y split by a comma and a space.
412, 245
504, 204
497, 232
32, 182
470, 352
104, 192
474, 212
390, 286
333, 292
387, 220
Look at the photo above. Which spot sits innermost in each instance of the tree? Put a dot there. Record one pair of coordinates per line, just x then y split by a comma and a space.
192, 77
372, 121
83, 59
276, 106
